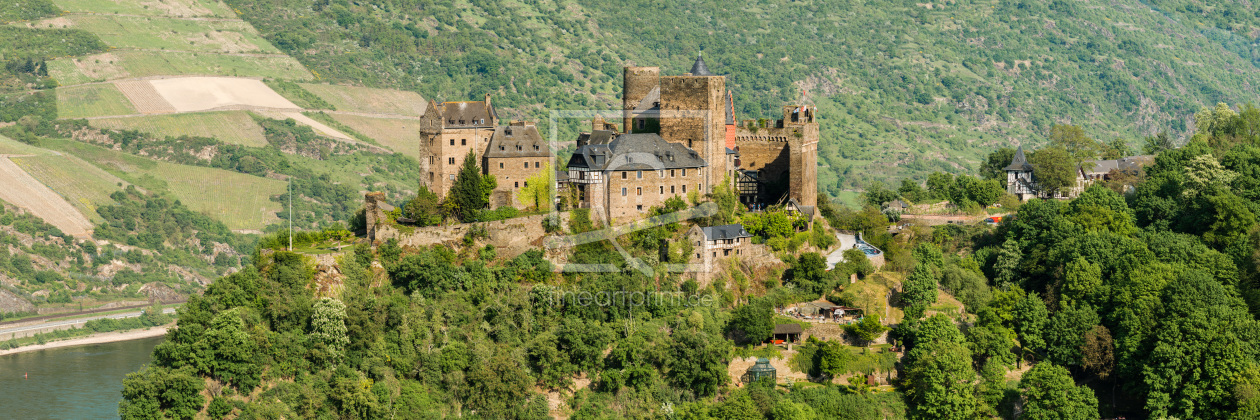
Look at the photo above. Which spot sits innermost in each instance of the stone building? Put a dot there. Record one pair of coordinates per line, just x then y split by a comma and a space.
511, 153
717, 242
1021, 183
697, 111
620, 176
515, 153
448, 132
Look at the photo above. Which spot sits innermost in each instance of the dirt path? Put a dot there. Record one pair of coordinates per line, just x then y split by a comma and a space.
934, 219
21, 189
99, 338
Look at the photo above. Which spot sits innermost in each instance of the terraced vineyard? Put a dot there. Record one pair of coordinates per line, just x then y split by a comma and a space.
369, 100
92, 101
83, 185
235, 127
172, 8
399, 135
161, 33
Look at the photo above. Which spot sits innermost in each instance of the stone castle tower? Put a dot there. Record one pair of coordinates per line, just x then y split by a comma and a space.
697, 111
448, 132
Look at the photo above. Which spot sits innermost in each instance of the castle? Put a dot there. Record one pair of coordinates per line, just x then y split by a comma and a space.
680, 136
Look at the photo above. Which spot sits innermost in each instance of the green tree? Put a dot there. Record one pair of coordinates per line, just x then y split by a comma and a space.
877, 194
1053, 169
1117, 149
911, 191
991, 343
328, 327
753, 322
994, 166
940, 382
157, 392
539, 191
1072, 139
809, 273
1066, 331
470, 194
1030, 319
833, 358
866, 330
1006, 266
1081, 281
698, 361
918, 291
939, 185
1050, 394
425, 209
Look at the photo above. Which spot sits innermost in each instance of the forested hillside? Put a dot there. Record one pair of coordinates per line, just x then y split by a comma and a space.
1140, 305
905, 88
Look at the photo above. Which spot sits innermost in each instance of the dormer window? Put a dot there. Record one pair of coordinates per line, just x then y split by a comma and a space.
535, 147
461, 122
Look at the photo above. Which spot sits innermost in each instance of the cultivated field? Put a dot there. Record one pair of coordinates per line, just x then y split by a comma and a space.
397, 134
189, 94
10, 146
92, 101
144, 97
238, 200
69, 71
319, 127
234, 127
170, 8
21, 189
83, 185
369, 100
160, 33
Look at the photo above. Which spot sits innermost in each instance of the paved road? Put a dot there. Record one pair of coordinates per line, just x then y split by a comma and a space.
836, 257
26, 330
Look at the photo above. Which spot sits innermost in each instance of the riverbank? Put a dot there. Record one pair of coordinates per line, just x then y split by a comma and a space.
98, 338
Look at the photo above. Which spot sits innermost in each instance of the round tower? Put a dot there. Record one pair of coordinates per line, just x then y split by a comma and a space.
637, 83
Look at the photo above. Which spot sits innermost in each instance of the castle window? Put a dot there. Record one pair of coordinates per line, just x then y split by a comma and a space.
526, 165
516, 185
430, 176
500, 165
535, 147
640, 174
463, 142
684, 188
639, 207
450, 161
452, 142
639, 191
662, 189
518, 147
526, 184
684, 171
502, 148
689, 144
430, 160
537, 164
623, 191
452, 177
671, 189
623, 175
671, 173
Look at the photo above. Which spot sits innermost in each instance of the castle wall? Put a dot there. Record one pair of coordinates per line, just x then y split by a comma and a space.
764, 151
510, 237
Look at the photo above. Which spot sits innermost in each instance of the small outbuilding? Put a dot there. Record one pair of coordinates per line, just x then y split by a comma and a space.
787, 333
760, 370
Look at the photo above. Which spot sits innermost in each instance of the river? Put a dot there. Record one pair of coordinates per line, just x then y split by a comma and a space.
83, 382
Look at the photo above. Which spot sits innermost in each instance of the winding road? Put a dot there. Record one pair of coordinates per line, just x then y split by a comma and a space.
59, 324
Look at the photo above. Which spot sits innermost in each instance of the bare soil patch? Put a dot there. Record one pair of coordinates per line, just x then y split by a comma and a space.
21, 189
144, 97
190, 94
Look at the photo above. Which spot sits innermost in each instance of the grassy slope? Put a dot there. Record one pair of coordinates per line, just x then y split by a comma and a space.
84, 186
235, 127
238, 200
92, 101
368, 100
399, 135
904, 90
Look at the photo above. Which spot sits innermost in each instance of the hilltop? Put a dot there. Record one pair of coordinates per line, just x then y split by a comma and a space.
904, 88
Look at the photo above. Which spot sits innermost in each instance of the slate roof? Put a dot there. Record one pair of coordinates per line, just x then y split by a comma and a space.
714, 233
607, 151
468, 114
651, 101
700, 69
1019, 163
1102, 167
516, 141
730, 108
788, 329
